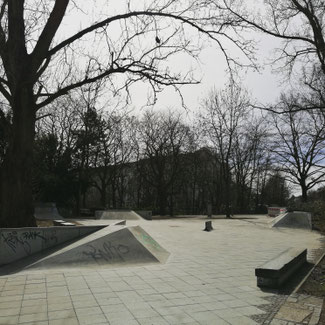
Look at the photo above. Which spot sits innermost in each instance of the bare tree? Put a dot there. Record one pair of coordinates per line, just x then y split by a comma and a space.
163, 140
114, 150
250, 152
40, 63
299, 23
223, 119
299, 145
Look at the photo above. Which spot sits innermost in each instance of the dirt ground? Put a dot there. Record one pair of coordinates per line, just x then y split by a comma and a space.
44, 223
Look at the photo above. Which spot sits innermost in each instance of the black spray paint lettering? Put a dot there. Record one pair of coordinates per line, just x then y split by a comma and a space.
107, 252
14, 239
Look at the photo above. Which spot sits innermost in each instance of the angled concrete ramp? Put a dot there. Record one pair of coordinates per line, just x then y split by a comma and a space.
18, 243
117, 215
296, 219
111, 246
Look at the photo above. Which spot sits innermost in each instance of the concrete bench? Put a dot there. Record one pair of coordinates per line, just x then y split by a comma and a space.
276, 271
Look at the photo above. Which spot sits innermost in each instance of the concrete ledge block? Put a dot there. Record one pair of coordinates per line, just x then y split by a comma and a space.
276, 271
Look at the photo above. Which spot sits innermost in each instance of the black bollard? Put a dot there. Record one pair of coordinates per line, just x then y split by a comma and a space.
208, 226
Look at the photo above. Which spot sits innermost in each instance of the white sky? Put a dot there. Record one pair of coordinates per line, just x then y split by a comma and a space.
264, 86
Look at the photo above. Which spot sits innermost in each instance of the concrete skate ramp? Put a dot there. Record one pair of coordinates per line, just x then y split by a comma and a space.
111, 246
46, 211
117, 215
18, 243
294, 219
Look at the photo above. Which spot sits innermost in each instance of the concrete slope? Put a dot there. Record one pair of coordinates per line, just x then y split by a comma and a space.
18, 243
46, 211
117, 215
296, 219
151, 245
113, 245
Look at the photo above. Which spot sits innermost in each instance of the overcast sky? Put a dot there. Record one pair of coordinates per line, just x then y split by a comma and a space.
264, 85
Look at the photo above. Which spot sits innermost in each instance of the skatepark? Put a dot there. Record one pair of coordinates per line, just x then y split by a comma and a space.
157, 272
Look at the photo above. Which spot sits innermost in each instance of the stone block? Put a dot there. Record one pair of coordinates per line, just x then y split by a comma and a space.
208, 226
276, 271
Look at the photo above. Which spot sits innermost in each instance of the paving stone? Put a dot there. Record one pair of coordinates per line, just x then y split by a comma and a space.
208, 318
227, 313
33, 309
235, 303
179, 319
61, 314
34, 302
9, 304
67, 321
9, 320
108, 301
32, 318
207, 280
129, 322
242, 320
92, 319
85, 303
249, 310
35, 296
122, 316
152, 320
59, 306
142, 313
9, 312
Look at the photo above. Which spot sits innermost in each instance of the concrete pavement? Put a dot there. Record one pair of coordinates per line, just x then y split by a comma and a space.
208, 279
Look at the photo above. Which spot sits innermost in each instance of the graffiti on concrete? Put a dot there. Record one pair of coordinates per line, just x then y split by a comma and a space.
148, 240
16, 240
107, 252
50, 238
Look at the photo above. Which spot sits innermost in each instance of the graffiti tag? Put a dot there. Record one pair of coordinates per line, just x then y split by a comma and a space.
107, 252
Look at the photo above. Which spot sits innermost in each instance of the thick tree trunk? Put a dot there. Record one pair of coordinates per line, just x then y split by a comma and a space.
162, 200
113, 197
304, 196
16, 175
103, 196
227, 180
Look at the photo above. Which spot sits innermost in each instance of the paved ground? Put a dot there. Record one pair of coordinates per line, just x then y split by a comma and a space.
208, 279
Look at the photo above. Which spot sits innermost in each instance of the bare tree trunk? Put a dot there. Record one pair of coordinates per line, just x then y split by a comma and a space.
162, 200
113, 194
227, 194
103, 196
304, 196
16, 179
